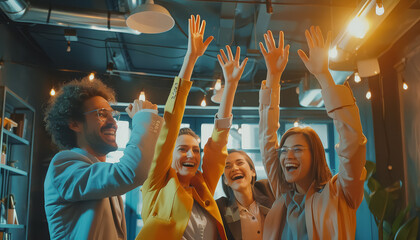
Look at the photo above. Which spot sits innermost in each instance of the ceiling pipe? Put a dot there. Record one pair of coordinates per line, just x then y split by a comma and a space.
21, 11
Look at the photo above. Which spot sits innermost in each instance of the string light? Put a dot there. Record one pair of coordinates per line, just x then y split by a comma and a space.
296, 124
405, 86
368, 95
357, 78
68, 46
379, 8
333, 52
142, 96
203, 102
52, 92
91, 76
218, 84
358, 27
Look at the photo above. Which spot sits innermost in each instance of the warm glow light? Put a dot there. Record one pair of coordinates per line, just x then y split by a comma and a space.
91, 76
52, 92
368, 95
218, 84
296, 124
333, 52
142, 96
379, 9
357, 78
358, 27
203, 103
405, 86
68, 47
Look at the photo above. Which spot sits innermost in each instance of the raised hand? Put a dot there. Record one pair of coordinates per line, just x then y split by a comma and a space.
196, 46
138, 105
232, 70
317, 62
275, 58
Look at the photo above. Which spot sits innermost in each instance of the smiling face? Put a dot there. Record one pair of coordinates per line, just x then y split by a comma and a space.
296, 161
238, 174
99, 137
186, 156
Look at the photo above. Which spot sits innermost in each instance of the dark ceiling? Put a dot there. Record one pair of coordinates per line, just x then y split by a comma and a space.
156, 58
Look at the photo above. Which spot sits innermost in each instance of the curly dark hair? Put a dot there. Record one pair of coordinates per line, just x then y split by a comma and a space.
67, 105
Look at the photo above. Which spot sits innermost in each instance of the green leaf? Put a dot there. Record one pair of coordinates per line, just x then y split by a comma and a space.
387, 229
374, 185
370, 168
399, 219
378, 203
408, 230
394, 189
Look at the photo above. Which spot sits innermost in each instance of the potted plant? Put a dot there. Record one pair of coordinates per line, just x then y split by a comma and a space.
386, 206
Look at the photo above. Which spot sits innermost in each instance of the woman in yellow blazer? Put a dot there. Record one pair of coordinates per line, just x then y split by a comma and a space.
178, 199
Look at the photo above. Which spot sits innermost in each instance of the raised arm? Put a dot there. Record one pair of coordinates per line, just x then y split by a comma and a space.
175, 105
341, 106
276, 58
196, 46
215, 151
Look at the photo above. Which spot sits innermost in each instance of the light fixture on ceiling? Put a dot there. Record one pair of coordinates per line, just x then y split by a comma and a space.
405, 86
379, 8
203, 102
368, 95
357, 78
142, 96
150, 18
358, 27
218, 84
52, 92
217, 95
91, 76
68, 47
70, 36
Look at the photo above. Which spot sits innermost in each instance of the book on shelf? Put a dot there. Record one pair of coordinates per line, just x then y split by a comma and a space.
20, 119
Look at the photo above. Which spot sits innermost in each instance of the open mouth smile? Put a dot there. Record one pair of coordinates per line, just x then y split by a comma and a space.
290, 167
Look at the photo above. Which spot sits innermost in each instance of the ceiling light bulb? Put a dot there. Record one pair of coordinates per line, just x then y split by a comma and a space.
203, 103
142, 96
52, 92
357, 78
405, 86
296, 124
379, 9
91, 76
68, 47
358, 27
333, 52
218, 84
368, 95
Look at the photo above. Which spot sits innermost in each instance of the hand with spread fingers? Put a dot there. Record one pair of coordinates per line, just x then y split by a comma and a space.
232, 70
196, 46
317, 62
275, 58
138, 105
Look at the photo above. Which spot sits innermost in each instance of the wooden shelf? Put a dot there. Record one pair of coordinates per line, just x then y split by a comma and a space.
15, 139
9, 226
13, 170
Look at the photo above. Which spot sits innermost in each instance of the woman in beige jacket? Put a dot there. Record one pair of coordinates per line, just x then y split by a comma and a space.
310, 203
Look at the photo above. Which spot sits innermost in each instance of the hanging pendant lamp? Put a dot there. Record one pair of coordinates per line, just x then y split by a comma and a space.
150, 18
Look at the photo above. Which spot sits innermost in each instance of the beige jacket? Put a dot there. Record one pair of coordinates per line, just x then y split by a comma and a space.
330, 212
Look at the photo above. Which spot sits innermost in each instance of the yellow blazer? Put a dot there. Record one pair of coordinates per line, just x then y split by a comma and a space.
166, 204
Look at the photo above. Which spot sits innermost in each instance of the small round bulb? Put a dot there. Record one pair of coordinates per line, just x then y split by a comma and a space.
52, 92
379, 9
405, 86
91, 76
333, 52
203, 103
368, 95
142, 96
357, 78
296, 124
218, 84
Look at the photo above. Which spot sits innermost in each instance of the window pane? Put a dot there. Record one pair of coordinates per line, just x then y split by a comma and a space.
123, 133
250, 136
234, 139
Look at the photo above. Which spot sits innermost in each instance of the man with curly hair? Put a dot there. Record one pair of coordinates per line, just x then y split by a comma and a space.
82, 190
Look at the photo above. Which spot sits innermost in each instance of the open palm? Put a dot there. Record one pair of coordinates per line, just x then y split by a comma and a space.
232, 70
276, 58
196, 46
